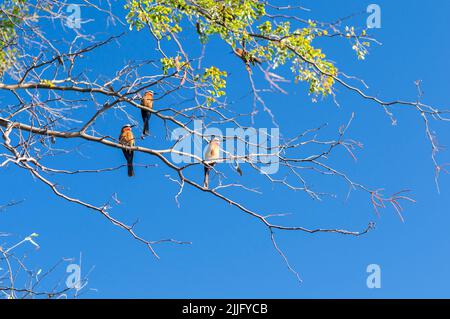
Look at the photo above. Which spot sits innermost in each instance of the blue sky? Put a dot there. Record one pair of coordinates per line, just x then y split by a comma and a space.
231, 254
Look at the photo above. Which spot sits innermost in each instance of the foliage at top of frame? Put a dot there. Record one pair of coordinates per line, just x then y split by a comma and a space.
232, 20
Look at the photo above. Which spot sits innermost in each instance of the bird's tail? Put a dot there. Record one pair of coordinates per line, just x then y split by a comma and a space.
206, 182
130, 169
146, 130
238, 169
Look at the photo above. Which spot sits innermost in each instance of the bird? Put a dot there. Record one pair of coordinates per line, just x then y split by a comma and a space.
211, 155
247, 58
147, 101
126, 138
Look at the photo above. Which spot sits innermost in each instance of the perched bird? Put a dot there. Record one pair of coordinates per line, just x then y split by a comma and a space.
127, 138
247, 58
146, 101
211, 155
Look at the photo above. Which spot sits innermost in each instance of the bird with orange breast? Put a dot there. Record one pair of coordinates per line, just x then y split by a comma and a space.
126, 138
211, 156
147, 101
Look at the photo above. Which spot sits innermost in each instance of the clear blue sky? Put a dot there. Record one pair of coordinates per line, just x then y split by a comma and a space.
231, 254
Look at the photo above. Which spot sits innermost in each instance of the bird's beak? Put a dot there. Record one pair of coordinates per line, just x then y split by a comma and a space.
134, 125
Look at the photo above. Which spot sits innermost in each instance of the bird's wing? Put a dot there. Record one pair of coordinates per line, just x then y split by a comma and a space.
208, 153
